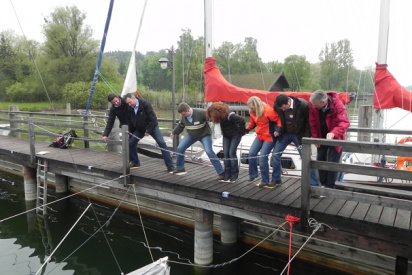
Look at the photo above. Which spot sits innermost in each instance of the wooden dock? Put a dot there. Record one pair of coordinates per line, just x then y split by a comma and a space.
358, 237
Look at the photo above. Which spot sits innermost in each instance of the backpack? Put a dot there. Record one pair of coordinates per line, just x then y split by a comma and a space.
64, 140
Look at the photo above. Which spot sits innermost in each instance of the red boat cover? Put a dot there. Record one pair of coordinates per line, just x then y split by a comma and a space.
388, 92
218, 89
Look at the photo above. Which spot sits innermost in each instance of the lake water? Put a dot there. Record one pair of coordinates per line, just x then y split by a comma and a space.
23, 244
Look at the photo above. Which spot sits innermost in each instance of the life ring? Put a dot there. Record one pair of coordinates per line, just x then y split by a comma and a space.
404, 163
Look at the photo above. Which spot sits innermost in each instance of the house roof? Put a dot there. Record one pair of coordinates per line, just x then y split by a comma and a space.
259, 81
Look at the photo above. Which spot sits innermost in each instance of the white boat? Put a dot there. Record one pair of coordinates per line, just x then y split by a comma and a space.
4, 129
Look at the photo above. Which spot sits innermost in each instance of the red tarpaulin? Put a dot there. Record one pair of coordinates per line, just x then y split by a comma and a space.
218, 89
388, 92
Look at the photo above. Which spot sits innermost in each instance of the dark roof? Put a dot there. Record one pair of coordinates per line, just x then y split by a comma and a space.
260, 81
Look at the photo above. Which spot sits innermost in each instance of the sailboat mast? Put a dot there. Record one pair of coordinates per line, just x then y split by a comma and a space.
208, 28
382, 57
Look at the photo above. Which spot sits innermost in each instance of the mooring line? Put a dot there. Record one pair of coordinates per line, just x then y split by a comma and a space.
51, 254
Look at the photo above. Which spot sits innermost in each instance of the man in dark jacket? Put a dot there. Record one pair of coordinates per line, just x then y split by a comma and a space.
142, 122
119, 109
294, 116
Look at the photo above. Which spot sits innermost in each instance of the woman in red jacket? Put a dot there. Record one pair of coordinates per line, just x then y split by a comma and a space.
260, 114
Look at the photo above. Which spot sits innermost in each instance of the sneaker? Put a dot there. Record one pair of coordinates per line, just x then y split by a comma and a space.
261, 185
178, 171
171, 169
232, 180
134, 165
252, 179
224, 180
221, 176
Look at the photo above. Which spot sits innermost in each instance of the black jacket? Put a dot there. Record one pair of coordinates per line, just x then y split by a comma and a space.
119, 112
145, 120
234, 125
300, 119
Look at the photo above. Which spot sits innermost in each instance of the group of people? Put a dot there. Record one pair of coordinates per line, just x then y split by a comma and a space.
289, 120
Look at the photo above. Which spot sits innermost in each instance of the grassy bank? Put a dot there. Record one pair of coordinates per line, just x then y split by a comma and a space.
32, 106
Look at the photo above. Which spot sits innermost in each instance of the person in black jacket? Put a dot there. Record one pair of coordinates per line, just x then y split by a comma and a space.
233, 128
294, 116
119, 109
142, 122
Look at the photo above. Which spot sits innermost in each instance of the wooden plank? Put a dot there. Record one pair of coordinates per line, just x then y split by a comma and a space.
374, 213
347, 209
388, 216
403, 219
335, 207
360, 211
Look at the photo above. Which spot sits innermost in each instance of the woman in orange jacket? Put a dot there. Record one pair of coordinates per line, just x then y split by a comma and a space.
260, 114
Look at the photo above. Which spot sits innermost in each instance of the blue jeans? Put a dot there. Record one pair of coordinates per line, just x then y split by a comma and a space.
328, 153
277, 153
231, 162
264, 147
158, 137
187, 141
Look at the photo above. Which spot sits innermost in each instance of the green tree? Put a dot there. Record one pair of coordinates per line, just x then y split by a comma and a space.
274, 67
224, 56
336, 62
297, 71
70, 51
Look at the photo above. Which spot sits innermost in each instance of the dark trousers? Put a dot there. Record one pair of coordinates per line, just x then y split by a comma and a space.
328, 153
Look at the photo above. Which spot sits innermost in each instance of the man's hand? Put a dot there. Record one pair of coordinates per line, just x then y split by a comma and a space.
104, 138
330, 135
146, 134
172, 136
276, 134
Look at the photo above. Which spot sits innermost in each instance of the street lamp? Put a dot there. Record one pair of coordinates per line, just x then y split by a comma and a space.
164, 62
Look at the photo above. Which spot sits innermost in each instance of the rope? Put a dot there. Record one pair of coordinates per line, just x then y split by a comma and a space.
312, 223
51, 254
141, 221
91, 236
234, 259
291, 221
113, 90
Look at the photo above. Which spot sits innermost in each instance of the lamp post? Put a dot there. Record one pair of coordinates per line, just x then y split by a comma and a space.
164, 62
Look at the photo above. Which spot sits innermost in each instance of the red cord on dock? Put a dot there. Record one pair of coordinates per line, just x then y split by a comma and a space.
291, 220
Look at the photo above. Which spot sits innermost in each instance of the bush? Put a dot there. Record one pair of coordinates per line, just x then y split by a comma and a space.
77, 94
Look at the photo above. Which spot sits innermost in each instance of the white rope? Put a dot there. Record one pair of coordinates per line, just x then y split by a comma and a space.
51, 254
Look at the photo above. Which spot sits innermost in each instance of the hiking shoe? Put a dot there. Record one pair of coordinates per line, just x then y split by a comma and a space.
134, 165
178, 171
232, 180
275, 182
221, 176
171, 169
224, 180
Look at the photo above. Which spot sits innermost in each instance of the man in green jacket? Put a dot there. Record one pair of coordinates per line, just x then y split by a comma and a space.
198, 129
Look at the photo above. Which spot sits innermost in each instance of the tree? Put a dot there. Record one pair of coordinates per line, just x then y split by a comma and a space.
70, 51
224, 56
336, 62
297, 71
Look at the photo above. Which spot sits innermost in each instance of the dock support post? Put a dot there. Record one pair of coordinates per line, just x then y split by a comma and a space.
228, 229
203, 236
61, 183
401, 266
30, 183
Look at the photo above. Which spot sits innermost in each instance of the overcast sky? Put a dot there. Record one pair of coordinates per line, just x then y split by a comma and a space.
282, 28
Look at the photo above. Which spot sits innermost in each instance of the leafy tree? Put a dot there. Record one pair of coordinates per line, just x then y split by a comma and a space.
297, 71
247, 58
274, 66
224, 56
70, 51
336, 62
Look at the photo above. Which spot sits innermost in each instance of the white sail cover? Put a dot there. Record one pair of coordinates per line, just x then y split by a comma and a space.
160, 267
